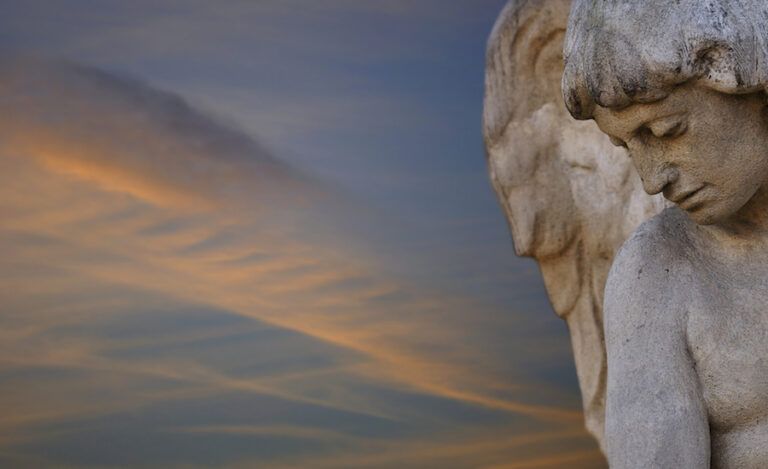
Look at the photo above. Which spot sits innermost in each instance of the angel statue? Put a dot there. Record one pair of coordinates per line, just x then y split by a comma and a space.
570, 196
682, 85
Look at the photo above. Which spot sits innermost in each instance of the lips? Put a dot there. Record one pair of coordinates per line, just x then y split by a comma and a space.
685, 199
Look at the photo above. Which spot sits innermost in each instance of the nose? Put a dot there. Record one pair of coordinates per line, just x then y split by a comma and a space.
654, 168
656, 178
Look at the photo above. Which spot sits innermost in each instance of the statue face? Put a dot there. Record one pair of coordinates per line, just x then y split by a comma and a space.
532, 185
705, 151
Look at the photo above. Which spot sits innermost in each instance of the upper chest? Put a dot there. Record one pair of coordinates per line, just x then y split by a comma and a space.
728, 339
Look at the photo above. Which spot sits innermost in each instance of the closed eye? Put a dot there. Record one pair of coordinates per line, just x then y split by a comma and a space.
668, 127
617, 141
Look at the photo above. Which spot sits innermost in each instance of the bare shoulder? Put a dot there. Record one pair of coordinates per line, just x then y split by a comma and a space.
655, 416
651, 275
658, 245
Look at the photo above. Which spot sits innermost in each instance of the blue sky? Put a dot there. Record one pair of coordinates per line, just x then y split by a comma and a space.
260, 233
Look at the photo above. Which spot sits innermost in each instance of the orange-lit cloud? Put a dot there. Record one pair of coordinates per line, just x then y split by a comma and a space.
116, 198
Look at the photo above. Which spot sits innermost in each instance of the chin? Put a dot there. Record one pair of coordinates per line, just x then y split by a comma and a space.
705, 216
703, 219
715, 212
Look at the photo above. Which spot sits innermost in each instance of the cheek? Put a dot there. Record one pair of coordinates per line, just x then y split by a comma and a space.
731, 150
541, 215
512, 169
736, 168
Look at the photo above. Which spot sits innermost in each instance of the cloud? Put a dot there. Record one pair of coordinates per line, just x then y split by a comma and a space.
120, 134
250, 59
125, 209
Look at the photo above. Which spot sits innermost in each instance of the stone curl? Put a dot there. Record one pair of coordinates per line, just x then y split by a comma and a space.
619, 52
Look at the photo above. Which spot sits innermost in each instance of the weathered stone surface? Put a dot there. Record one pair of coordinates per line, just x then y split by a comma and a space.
571, 197
682, 86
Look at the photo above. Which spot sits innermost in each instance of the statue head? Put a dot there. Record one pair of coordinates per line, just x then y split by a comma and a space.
682, 85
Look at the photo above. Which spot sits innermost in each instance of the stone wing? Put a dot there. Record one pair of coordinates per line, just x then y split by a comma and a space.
570, 196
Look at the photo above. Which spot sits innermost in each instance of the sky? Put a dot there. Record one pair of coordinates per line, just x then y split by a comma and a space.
261, 234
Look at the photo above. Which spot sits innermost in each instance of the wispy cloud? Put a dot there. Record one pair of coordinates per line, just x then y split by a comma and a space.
155, 261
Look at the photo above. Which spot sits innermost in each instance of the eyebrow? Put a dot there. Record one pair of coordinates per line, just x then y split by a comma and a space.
647, 121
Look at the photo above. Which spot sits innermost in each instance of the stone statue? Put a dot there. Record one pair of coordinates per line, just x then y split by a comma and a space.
571, 197
682, 85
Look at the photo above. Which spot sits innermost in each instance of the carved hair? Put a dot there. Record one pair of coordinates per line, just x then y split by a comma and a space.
622, 51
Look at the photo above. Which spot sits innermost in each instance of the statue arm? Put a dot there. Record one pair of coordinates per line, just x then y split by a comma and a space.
655, 414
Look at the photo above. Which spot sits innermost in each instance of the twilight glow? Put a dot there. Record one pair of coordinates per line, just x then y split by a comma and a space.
260, 234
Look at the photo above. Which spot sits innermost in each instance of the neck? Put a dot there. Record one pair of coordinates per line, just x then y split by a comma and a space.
746, 228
